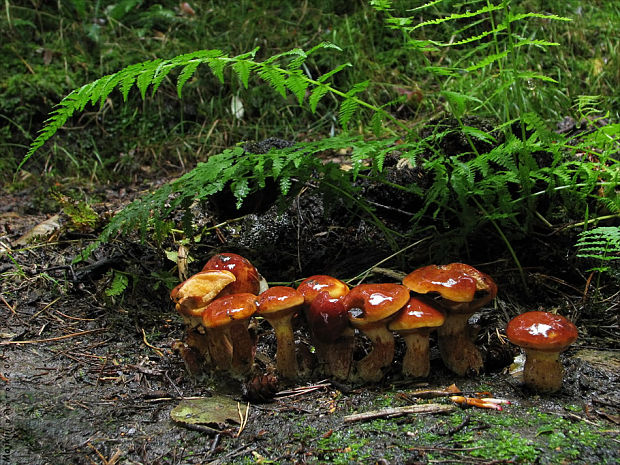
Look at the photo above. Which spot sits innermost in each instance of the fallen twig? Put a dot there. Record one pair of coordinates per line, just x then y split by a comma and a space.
399, 411
157, 351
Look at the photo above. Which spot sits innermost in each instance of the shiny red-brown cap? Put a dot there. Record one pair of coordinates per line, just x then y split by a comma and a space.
248, 279
279, 300
418, 313
314, 285
229, 308
193, 294
327, 317
457, 282
370, 303
542, 331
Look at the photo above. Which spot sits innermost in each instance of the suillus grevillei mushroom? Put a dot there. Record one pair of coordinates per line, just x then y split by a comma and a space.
370, 308
226, 320
415, 323
462, 290
248, 279
278, 305
328, 323
543, 336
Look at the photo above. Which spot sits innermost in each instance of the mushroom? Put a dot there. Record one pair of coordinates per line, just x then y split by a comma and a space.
543, 336
327, 320
226, 321
370, 308
191, 297
278, 305
248, 278
414, 323
463, 290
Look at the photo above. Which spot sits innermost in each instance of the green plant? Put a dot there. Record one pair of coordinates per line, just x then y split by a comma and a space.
469, 187
602, 244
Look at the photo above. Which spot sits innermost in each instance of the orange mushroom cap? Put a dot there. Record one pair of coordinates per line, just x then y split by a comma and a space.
193, 294
311, 287
370, 303
248, 279
278, 300
542, 331
226, 309
457, 282
418, 313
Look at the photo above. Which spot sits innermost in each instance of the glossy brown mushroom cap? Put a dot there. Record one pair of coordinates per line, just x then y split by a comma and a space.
457, 282
327, 317
541, 331
279, 300
193, 294
370, 303
248, 279
418, 313
314, 285
224, 310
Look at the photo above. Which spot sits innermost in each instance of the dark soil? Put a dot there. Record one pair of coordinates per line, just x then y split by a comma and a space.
92, 378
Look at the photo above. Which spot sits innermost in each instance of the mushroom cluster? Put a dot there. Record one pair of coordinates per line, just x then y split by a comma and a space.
218, 304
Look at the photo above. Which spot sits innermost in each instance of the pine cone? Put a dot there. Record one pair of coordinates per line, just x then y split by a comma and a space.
260, 389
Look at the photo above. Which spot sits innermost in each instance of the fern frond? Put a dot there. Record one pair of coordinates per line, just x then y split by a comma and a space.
602, 243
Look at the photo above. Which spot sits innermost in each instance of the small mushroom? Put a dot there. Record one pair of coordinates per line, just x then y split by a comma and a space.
328, 323
278, 305
191, 297
230, 343
542, 336
463, 290
414, 323
370, 308
248, 279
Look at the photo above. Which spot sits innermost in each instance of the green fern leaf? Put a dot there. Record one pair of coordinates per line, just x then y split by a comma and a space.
316, 95
217, 68
297, 85
455, 16
188, 72
243, 69
337, 69
146, 76
487, 61
346, 111
159, 74
275, 78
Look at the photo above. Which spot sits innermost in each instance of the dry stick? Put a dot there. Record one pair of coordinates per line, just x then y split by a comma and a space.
52, 339
399, 411
157, 351
8, 305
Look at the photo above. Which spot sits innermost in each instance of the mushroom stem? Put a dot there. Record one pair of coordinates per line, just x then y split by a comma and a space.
381, 355
286, 360
196, 338
337, 355
243, 350
458, 352
543, 370
416, 361
220, 347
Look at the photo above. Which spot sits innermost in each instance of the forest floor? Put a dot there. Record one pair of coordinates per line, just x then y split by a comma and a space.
91, 378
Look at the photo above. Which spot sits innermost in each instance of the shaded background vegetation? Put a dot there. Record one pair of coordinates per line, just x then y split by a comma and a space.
50, 48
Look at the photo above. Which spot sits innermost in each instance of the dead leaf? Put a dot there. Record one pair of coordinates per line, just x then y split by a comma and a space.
215, 411
44, 230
